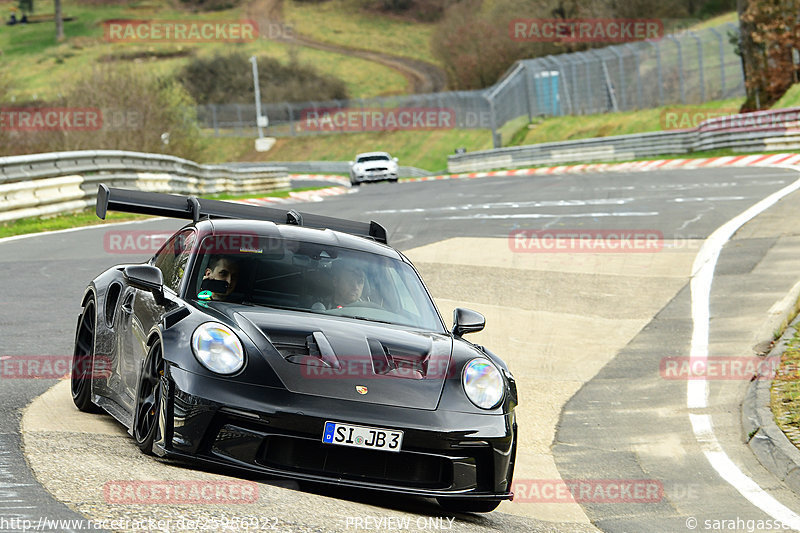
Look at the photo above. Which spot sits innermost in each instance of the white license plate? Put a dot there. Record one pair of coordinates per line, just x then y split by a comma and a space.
362, 437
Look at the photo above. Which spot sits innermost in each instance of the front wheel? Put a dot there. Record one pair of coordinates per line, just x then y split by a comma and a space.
466, 505
83, 360
148, 400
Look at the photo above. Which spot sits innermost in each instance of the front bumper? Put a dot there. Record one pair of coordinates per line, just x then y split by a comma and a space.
279, 433
373, 176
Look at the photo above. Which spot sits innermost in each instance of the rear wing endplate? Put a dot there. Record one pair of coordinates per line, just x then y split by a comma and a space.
193, 208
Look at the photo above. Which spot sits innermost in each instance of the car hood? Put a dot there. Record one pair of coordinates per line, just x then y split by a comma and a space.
369, 165
352, 359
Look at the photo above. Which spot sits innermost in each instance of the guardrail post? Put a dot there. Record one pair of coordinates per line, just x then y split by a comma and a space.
214, 119
290, 114
721, 61
700, 65
621, 64
573, 62
612, 98
657, 48
589, 93
527, 88
497, 143
680, 66
635, 53
239, 120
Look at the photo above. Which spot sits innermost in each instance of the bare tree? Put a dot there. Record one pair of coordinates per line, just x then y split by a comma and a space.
769, 35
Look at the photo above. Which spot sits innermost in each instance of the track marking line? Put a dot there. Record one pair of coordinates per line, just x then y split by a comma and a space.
697, 390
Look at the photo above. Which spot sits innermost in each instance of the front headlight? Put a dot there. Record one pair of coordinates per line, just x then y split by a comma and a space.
483, 383
218, 348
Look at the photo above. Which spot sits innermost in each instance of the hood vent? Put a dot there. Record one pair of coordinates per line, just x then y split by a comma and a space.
398, 362
312, 349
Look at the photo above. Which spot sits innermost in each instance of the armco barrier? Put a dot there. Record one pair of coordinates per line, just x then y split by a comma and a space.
330, 167
748, 132
61, 182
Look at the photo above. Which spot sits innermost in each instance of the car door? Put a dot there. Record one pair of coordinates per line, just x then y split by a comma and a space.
141, 311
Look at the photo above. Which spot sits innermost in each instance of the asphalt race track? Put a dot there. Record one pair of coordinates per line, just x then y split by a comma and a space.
586, 335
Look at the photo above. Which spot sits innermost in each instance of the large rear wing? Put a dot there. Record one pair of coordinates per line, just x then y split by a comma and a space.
193, 208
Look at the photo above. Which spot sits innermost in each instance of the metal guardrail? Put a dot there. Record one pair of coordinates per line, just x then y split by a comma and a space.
340, 167
61, 182
758, 131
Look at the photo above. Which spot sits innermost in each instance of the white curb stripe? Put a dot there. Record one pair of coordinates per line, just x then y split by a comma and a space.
697, 390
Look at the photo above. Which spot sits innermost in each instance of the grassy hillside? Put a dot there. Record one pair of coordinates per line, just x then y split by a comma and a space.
587, 126
38, 67
342, 22
790, 99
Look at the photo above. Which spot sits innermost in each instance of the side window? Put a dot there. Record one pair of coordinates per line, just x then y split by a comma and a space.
172, 258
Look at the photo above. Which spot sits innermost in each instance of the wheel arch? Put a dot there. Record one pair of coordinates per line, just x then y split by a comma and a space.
89, 294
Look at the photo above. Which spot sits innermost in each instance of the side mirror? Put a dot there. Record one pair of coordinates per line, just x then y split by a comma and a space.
352, 163
467, 321
394, 159
144, 277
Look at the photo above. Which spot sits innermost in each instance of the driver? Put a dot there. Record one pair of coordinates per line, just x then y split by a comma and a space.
222, 269
348, 286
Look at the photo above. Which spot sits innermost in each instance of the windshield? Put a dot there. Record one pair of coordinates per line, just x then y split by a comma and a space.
373, 158
313, 278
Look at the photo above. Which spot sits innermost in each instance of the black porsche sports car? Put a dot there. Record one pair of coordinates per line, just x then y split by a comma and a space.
294, 345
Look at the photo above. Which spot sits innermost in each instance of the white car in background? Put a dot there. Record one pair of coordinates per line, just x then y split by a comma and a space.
373, 166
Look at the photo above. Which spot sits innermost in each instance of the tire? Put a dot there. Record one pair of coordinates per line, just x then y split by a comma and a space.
355, 183
466, 505
83, 360
149, 392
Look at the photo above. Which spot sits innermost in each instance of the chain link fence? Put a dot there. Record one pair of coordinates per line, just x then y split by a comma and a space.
690, 67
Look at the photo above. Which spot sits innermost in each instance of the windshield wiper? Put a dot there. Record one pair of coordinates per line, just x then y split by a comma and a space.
369, 319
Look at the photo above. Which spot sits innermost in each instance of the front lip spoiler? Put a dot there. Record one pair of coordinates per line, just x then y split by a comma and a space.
248, 468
